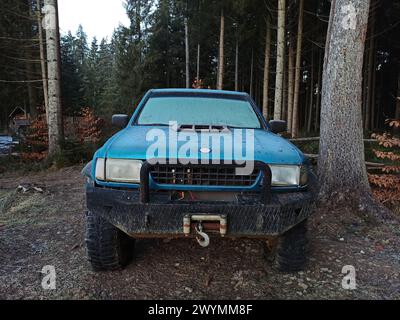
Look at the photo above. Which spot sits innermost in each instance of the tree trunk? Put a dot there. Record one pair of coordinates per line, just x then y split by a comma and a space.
290, 87
251, 74
32, 94
198, 62
42, 60
55, 134
341, 164
187, 53
397, 112
220, 80
280, 52
138, 21
58, 42
285, 95
364, 86
318, 97
237, 65
267, 54
30, 70
370, 68
311, 99
295, 124
373, 109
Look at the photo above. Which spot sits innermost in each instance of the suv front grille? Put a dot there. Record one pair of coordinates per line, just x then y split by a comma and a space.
207, 175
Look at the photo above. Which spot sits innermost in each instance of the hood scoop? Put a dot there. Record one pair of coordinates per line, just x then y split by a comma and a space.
202, 128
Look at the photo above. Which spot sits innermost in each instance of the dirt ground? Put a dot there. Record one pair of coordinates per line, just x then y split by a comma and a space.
46, 227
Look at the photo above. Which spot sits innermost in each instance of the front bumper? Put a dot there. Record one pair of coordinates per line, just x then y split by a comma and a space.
164, 218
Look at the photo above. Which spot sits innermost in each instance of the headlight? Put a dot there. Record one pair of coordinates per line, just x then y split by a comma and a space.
100, 169
119, 170
286, 175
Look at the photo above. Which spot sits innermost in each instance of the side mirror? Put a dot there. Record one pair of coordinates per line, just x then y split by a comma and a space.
278, 126
120, 120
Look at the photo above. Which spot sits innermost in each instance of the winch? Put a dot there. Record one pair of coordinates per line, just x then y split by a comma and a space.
201, 222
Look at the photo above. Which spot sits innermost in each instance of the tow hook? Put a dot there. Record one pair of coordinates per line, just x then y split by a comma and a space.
206, 239
195, 221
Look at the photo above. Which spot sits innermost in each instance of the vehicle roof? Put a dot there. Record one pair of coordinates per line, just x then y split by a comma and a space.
208, 91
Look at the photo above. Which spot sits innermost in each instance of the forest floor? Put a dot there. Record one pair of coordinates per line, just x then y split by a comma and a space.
46, 227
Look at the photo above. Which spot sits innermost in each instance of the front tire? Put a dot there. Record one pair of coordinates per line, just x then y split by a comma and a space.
107, 247
292, 249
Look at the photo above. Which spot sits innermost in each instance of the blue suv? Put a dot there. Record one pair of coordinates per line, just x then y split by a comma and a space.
197, 163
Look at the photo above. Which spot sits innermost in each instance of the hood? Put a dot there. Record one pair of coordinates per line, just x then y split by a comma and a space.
131, 143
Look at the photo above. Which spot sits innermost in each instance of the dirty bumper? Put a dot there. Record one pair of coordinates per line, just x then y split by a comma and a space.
163, 218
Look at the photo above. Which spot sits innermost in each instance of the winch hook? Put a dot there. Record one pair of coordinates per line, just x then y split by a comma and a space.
206, 239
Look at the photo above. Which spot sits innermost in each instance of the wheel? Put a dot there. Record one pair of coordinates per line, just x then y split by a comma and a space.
107, 247
292, 249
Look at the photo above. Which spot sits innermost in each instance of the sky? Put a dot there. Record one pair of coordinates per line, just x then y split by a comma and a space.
99, 18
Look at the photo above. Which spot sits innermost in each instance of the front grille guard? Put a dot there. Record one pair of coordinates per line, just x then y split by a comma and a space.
265, 192
202, 175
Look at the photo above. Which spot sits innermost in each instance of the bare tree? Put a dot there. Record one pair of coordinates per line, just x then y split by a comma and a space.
187, 53
371, 71
53, 54
237, 64
30, 69
280, 52
290, 87
42, 58
311, 98
341, 164
295, 124
198, 62
318, 93
251, 89
220, 79
267, 54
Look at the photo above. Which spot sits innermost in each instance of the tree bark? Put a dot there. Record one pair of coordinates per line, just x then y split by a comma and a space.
30, 68
237, 65
341, 165
295, 124
290, 87
397, 112
373, 108
138, 21
187, 53
311, 98
267, 54
58, 42
220, 80
279, 59
318, 97
42, 60
198, 62
251, 89
285, 95
32, 94
370, 68
55, 134
364, 86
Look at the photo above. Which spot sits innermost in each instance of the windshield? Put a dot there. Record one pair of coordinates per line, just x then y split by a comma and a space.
199, 111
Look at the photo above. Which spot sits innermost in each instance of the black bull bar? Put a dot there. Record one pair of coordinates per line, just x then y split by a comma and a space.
145, 213
265, 193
